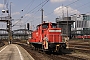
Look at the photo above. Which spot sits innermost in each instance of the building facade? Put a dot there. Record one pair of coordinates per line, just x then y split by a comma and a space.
81, 26
65, 24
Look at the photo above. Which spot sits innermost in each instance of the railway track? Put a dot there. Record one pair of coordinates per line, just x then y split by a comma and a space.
44, 56
80, 47
66, 57
1, 44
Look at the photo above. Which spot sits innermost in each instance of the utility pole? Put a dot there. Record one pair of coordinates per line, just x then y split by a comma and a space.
10, 26
42, 15
62, 12
67, 21
41, 26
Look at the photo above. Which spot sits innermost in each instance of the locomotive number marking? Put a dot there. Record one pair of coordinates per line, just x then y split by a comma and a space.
54, 30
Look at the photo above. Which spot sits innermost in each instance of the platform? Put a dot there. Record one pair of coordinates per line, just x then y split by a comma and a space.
14, 52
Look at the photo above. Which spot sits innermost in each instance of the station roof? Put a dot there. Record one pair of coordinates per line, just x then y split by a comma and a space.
65, 21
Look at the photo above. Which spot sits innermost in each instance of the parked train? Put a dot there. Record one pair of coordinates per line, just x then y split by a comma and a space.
47, 37
84, 36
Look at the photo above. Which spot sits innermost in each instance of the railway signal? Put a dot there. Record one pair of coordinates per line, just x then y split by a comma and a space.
8, 24
28, 26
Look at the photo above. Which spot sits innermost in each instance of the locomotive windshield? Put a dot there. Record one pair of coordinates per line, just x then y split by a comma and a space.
44, 26
54, 25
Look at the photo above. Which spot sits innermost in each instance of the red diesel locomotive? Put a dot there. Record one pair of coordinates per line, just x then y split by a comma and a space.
47, 37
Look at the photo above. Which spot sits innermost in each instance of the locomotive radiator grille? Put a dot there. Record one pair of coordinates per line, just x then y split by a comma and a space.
55, 38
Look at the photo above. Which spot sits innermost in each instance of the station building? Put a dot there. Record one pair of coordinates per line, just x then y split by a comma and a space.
81, 26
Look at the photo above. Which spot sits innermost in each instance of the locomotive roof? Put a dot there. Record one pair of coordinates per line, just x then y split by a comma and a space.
46, 23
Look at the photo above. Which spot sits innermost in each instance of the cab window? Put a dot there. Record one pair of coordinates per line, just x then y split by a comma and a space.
44, 26
54, 26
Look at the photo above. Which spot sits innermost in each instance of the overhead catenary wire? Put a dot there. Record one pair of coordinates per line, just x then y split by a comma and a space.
80, 6
33, 9
16, 23
45, 1
28, 5
66, 5
70, 4
37, 6
40, 8
60, 8
27, 9
52, 12
73, 2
